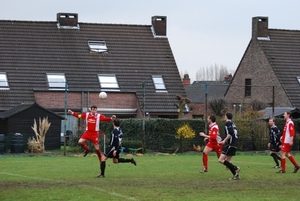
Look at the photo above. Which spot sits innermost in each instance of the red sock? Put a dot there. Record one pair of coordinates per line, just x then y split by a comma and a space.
99, 154
293, 161
205, 160
84, 146
283, 161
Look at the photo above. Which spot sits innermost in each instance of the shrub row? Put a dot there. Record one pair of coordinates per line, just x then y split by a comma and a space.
159, 134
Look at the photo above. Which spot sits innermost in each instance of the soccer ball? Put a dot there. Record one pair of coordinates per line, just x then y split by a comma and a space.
102, 95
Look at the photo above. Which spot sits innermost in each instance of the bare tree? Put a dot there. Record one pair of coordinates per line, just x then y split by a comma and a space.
223, 72
218, 106
212, 73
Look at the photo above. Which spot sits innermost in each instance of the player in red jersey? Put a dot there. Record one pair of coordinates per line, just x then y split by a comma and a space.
92, 121
287, 140
213, 138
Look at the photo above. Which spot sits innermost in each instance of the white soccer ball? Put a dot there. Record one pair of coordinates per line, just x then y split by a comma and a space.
102, 95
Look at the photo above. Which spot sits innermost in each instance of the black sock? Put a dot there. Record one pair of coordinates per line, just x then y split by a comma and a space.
124, 160
102, 167
230, 166
275, 157
278, 157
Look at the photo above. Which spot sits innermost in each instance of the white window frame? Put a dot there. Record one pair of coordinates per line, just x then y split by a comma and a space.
108, 82
159, 83
3, 81
56, 81
97, 46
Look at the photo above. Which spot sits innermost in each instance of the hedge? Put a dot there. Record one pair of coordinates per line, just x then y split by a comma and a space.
159, 135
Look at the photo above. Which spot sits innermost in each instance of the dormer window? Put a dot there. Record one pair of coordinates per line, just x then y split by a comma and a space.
108, 82
97, 46
159, 83
56, 81
3, 81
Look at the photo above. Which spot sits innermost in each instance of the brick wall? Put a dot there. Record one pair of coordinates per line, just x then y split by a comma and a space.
255, 66
78, 100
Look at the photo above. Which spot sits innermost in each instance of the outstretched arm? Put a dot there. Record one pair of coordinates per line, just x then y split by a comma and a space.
76, 115
104, 118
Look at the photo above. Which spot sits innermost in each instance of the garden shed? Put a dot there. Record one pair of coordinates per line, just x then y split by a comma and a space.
21, 118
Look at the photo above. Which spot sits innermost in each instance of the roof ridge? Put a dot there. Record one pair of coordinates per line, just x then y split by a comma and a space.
90, 23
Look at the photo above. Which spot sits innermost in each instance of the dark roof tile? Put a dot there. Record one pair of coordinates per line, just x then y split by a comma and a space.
29, 50
283, 53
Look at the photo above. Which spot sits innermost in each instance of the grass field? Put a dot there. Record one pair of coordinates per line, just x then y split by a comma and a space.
156, 177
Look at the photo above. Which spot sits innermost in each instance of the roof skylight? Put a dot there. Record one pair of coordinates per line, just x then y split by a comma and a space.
159, 83
108, 82
3, 81
97, 46
56, 81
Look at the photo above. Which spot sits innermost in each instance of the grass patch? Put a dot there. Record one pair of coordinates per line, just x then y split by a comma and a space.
156, 177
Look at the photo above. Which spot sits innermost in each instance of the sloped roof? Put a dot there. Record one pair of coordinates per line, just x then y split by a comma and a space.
279, 111
15, 110
214, 89
30, 49
283, 53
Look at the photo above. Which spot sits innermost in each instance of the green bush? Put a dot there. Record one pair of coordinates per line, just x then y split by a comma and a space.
159, 134
131, 144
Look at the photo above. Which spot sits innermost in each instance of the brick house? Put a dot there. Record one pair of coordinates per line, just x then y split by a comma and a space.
66, 63
269, 71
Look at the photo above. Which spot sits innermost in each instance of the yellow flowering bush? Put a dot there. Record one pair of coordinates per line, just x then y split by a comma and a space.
185, 132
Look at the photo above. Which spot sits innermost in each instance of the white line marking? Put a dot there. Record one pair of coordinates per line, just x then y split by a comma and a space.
86, 186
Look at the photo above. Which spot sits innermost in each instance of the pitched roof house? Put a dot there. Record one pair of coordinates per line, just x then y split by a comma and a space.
41, 61
269, 70
201, 92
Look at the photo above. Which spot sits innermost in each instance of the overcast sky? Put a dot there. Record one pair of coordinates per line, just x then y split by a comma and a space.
201, 33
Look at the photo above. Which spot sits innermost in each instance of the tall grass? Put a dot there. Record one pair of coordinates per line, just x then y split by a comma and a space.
156, 177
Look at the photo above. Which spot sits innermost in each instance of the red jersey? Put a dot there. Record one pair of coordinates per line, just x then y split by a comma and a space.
288, 131
92, 121
214, 133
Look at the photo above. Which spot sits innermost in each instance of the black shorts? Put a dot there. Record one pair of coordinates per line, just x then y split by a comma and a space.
274, 148
109, 153
229, 150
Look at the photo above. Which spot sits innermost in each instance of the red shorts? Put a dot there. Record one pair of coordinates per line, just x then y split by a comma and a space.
92, 136
286, 148
216, 147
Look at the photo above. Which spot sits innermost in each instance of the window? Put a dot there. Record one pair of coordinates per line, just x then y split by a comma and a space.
56, 81
97, 46
3, 81
108, 82
159, 83
247, 87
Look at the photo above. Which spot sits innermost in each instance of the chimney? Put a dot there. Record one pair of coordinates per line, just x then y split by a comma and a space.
159, 24
228, 78
186, 80
259, 27
67, 19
